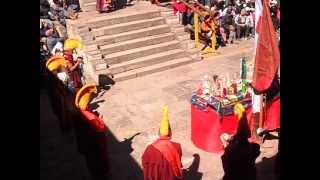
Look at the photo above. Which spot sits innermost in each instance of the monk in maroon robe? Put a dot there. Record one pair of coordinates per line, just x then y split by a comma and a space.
101, 5
239, 157
162, 159
74, 71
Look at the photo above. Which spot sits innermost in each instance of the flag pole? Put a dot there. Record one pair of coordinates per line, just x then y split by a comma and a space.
261, 114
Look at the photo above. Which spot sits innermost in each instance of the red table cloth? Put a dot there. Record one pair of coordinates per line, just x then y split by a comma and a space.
207, 126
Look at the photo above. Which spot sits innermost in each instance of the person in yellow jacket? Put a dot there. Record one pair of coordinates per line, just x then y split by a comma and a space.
208, 29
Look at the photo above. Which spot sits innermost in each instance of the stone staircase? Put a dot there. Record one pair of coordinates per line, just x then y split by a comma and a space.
179, 30
132, 42
88, 5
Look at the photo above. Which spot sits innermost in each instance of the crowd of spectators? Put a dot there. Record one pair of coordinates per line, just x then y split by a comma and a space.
235, 19
53, 15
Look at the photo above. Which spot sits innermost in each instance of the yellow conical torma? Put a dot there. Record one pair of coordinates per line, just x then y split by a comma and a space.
164, 125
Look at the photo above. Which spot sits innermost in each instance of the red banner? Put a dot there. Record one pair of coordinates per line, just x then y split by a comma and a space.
267, 56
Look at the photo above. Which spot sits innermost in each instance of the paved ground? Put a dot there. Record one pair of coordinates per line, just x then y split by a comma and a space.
135, 106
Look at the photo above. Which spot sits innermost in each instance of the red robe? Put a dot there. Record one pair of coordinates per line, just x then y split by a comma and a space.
100, 5
75, 74
162, 160
178, 7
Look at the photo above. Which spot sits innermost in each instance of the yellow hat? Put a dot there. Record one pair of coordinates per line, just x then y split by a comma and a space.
238, 110
84, 96
73, 44
55, 62
164, 125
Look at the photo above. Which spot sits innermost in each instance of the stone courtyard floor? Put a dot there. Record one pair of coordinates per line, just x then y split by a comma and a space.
135, 106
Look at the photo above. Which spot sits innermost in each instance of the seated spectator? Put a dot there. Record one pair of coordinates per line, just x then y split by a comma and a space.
52, 38
221, 4
232, 35
59, 13
103, 5
73, 4
229, 10
250, 22
274, 13
205, 28
240, 21
44, 51
44, 9
227, 22
220, 33
208, 30
189, 17
223, 34
44, 27
57, 48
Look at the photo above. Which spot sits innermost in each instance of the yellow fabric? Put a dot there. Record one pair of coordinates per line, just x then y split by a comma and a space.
83, 96
238, 110
164, 125
73, 44
55, 62
204, 13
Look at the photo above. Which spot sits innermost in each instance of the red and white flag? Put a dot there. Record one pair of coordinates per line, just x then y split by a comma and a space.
257, 21
267, 55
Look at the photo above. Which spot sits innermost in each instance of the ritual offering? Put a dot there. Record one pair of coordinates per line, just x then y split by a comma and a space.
222, 93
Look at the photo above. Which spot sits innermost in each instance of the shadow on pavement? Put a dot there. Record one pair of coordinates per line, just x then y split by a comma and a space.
191, 173
266, 169
106, 157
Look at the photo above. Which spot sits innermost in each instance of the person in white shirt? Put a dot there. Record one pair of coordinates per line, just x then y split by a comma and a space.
250, 23
255, 100
242, 27
229, 8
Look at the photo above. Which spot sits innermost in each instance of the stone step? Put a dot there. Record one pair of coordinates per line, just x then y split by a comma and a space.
91, 47
187, 44
183, 36
136, 43
195, 53
178, 30
165, 6
83, 30
145, 61
172, 16
94, 53
166, 13
115, 38
89, 6
151, 69
129, 26
87, 37
176, 25
94, 58
128, 55
103, 20
88, 1
172, 21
